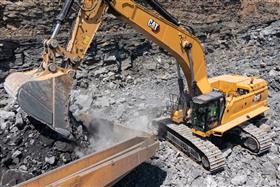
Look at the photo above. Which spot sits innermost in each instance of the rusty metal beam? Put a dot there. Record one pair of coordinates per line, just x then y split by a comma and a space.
102, 168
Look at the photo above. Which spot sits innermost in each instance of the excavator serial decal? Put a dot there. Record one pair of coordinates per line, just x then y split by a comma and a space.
154, 25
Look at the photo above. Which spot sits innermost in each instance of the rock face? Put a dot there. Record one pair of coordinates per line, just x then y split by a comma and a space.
22, 17
127, 79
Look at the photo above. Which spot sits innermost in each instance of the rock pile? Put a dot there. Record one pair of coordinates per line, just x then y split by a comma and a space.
25, 152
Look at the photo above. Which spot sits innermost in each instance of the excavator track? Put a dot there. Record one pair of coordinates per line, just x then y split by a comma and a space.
259, 140
201, 150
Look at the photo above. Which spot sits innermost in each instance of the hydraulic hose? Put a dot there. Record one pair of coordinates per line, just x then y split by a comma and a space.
62, 16
163, 12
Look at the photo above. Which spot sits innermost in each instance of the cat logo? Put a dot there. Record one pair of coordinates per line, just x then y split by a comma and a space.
257, 97
153, 25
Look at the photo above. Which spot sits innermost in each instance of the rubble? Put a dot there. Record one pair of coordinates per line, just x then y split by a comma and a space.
50, 160
239, 180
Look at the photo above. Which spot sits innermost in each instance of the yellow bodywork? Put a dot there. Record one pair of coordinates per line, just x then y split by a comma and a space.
178, 116
238, 108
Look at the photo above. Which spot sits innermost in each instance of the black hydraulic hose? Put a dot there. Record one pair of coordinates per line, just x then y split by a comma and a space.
65, 10
62, 16
162, 11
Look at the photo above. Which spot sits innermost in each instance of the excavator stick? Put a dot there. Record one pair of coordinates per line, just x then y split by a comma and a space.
43, 95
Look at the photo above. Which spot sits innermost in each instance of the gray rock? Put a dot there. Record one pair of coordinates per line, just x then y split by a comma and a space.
23, 168
3, 125
13, 177
80, 74
100, 71
112, 85
198, 182
121, 100
16, 140
111, 75
51, 160
66, 157
46, 141
150, 66
268, 169
63, 146
274, 28
102, 102
6, 115
227, 152
239, 179
262, 65
194, 174
16, 154
273, 73
109, 59
16, 161
32, 141
251, 72
80, 131
19, 121
84, 102
265, 127
14, 129
126, 64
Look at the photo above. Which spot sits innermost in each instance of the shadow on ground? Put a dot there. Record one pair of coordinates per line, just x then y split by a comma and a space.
144, 175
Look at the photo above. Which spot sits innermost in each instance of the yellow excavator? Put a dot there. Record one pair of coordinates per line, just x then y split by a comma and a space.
205, 108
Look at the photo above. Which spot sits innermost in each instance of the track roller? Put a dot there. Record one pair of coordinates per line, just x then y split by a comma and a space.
255, 139
200, 150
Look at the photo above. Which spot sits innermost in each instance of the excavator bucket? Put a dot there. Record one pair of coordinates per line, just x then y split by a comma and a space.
43, 96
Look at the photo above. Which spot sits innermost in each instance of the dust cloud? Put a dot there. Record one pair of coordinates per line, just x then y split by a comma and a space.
103, 133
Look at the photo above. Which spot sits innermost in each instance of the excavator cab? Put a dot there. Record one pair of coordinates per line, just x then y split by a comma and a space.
207, 110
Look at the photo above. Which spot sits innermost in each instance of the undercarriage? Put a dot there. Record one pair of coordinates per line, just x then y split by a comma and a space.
206, 153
